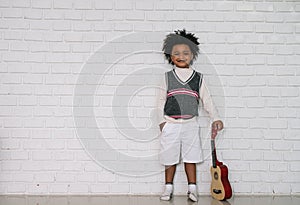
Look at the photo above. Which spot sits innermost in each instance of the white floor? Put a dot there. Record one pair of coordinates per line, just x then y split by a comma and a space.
144, 200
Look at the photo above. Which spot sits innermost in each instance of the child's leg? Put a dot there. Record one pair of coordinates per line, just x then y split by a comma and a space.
169, 176
169, 173
190, 170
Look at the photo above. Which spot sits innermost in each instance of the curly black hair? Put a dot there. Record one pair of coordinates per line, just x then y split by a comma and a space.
180, 37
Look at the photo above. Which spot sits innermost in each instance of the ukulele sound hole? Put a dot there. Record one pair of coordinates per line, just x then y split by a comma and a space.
216, 176
217, 191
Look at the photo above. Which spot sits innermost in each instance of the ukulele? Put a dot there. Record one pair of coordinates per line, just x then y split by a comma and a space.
220, 187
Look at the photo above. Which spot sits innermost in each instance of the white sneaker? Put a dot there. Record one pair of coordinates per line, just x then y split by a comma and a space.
193, 196
168, 193
166, 196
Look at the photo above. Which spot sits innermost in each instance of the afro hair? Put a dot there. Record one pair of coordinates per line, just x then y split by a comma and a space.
180, 37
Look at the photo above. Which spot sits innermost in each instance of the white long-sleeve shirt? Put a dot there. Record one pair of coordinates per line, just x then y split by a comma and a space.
184, 74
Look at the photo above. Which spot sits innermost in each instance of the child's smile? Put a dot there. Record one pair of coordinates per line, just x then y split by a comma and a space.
181, 55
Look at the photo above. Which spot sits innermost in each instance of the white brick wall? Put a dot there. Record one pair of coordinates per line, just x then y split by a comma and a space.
253, 46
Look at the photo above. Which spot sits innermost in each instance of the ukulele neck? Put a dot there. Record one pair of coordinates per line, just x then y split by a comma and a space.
213, 153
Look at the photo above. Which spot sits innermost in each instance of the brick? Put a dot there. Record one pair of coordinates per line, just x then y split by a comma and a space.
251, 177
295, 188
143, 27
245, 7
51, 15
264, 7
119, 188
124, 5
255, 103
10, 165
79, 188
66, 4
135, 16
241, 144
34, 14
58, 188
163, 5
139, 188
184, 6
44, 177
281, 188
8, 100
27, 101
87, 177
264, 28
278, 124
274, 17
291, 156
74, 15
94, 16
63, 156
18, 133
82, 26
282, 145
255, 17
224, 49
154, 16
93, 37
65, 177
259, 166
100, 188
243, 188
292, 17
272, 156
214, 17
255, 60
5, 155
291, 60
38, 188
273, 135
42, 4
261, 145
231, 155
284, 29
58, 123
262, 188
104, 5
5, 4
82, 4
141, 5
33, 123
24, 177
61, 25
52, 37
12, 13
41, 155
16, 188
12, 123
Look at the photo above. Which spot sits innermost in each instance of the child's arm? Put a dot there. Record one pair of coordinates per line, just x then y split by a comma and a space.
161, 102
210, 107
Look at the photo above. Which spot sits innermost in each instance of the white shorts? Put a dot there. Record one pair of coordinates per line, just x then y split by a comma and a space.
180, 141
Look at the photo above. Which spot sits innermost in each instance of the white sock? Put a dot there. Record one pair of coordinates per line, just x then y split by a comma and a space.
169, 188
192, 188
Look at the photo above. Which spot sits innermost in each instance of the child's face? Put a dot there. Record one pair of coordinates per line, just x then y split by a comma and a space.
181, 55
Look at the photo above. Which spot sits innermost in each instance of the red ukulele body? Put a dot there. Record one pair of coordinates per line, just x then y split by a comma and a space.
220, 186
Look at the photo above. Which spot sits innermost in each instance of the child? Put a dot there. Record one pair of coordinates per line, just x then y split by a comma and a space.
184, 87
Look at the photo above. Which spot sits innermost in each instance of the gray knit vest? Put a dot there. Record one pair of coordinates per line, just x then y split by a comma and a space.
182, 97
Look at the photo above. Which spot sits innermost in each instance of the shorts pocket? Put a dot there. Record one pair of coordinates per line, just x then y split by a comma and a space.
164, 128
